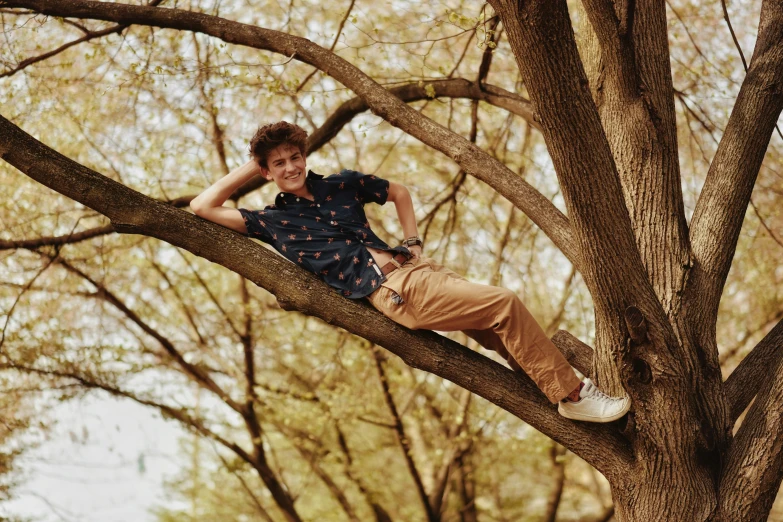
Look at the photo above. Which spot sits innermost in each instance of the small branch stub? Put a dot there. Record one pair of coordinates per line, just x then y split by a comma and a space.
636, 325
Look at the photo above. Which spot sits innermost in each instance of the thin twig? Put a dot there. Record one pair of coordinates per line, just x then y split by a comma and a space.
764, 224
737, 45
733, 36
334, 44
401, 437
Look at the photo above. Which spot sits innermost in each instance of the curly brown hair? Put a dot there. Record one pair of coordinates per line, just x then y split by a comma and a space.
270, 136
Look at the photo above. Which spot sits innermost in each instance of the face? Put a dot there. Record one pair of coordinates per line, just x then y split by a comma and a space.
286, 166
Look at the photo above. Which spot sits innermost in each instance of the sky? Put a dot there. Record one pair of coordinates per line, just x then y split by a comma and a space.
105, 461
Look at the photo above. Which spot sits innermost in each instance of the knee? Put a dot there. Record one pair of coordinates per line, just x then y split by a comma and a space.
510, 302
506, 296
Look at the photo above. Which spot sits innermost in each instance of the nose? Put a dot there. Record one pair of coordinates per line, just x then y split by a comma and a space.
290, 167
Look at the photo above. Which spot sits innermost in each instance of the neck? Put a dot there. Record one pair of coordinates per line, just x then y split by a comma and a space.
304, 192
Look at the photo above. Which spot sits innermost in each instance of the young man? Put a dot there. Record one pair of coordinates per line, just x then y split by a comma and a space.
319, 224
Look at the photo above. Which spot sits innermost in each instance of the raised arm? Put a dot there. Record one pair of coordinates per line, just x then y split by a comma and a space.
209, 204
404, 204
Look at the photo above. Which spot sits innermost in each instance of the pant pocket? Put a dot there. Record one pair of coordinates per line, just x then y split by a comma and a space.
396, 298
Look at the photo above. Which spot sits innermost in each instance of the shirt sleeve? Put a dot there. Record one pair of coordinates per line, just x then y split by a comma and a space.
370, 188
258, 224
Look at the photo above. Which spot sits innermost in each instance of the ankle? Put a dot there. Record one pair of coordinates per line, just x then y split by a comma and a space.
574, 395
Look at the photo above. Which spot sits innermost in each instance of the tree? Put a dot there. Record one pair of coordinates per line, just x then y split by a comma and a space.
608, 119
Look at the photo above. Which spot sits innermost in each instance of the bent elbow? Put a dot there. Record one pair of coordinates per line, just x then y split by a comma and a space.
397, 191
196, 206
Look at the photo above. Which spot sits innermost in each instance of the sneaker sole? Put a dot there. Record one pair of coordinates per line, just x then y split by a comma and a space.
598, 420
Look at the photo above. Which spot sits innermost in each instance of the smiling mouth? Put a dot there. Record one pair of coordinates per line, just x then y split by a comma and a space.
294, 176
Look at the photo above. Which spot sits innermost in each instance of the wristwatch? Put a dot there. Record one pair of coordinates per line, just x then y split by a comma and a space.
415, 240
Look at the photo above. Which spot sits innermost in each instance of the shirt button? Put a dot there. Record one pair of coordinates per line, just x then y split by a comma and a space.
318, 205
297, 199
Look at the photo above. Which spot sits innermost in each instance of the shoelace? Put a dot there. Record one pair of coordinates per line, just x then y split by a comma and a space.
591, 390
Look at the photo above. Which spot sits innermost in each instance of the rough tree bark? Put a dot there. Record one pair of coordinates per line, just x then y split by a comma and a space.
656, 285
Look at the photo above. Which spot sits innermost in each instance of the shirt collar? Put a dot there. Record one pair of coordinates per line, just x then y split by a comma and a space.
286, 198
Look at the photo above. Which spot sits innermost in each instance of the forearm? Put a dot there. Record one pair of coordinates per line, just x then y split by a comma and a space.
219, 192
406, 214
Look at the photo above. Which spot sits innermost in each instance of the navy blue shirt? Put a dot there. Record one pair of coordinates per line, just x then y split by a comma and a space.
329, 234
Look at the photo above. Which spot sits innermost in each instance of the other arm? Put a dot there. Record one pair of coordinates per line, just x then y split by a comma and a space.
404, 204
209, 204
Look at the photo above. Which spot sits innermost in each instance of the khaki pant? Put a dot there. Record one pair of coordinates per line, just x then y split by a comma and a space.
425, 295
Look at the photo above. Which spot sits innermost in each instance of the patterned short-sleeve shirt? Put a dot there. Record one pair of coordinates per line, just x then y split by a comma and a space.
327, 235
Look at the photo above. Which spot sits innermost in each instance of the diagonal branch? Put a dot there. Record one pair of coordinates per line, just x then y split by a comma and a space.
89, 35
454, 88
131, 212
718, 217
314, 458
196, 373
457, 447
178, 414
755, 369
578, 354
33, 244
403, 439
754, 466
256, 502
632, 86
86, 38
467, 155
380, 514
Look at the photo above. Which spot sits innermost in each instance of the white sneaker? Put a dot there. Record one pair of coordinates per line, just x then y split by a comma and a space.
594, 405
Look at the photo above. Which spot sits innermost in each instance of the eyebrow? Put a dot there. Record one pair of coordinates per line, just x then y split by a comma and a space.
282, 160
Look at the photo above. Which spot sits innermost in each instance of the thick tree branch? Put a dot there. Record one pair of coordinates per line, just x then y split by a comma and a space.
578, 354
754, 371
468, 156
718, 217
131, 212
542, 38
754, 467
455, 88
633, 88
